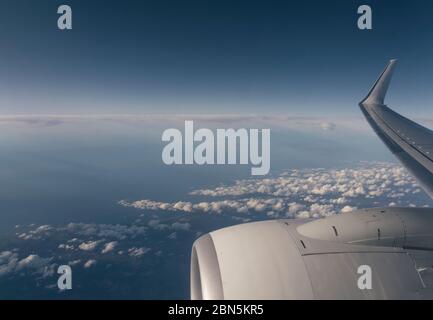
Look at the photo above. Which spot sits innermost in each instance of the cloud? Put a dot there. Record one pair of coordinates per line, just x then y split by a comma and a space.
156, 205
89, 246
118, 232
284, 121
109, 247
240, 206
90, 263
295, 193
327, 126
33, 264
66, 246
293, 208
8, 262
181, 226
138, 252
348, 209
37, 233
74, 262
78, 241
157, 225
42, 229
321, 210
32, 261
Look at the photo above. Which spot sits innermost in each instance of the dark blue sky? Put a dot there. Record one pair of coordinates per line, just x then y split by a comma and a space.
304, 57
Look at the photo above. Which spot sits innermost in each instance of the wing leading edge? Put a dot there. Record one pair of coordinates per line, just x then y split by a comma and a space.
410, 142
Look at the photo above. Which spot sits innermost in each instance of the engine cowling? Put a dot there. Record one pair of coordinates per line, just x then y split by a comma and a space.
314, 259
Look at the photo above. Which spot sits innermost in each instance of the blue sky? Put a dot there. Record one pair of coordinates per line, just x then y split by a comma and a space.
211, 56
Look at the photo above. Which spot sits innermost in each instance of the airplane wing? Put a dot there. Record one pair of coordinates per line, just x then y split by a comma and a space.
409, 141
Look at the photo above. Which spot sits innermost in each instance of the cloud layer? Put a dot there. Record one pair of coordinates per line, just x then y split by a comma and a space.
155, 231
299, 193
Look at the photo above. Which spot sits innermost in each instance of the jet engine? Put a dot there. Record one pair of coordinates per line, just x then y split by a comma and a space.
317, 259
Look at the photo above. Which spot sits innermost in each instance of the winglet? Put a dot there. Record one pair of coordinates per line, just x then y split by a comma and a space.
378, 92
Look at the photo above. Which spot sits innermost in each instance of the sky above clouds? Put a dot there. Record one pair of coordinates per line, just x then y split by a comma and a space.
304, 57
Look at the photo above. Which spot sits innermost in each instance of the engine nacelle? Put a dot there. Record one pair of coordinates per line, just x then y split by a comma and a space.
314, 259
